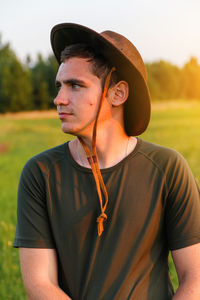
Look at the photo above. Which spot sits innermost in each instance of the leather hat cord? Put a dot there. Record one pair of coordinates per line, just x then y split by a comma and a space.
93, 161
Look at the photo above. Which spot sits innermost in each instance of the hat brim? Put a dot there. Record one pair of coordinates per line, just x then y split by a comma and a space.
137, 108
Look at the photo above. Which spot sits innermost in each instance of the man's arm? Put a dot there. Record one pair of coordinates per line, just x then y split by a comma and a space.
39, 272
187, 263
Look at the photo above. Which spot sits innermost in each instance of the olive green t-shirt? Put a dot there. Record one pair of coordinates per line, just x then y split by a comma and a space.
154, 207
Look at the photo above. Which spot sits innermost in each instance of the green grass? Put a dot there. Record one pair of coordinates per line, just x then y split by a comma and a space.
178, 126
173, 126
23, 139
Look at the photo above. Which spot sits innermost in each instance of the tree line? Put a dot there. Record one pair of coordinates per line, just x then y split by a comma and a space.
30, 86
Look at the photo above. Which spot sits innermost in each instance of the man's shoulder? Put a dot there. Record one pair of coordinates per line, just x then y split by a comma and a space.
150, 149
162, 156
45, 159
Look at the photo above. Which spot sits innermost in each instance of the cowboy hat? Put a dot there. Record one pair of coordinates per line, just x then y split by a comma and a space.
121, 54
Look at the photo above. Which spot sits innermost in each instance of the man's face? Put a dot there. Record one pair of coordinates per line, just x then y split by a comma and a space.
78, 96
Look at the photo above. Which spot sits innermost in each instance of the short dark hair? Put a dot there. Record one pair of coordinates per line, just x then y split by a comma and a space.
100, 67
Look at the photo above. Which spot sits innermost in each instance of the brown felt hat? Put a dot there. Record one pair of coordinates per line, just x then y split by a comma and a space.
122, 55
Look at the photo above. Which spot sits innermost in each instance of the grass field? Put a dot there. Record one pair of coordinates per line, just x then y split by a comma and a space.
173, 124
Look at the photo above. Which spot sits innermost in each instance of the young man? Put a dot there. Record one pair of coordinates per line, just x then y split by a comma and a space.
97, 216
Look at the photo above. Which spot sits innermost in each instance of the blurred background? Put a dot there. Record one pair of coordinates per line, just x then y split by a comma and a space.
166, 34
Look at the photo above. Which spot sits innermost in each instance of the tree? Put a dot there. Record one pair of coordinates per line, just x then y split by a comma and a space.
164, 80
191, 79
43, 80
52, 68
15, 84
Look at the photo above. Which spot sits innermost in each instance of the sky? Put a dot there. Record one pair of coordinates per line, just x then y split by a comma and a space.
160, 29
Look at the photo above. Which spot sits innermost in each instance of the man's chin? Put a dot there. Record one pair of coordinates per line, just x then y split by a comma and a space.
68, 130
77, 131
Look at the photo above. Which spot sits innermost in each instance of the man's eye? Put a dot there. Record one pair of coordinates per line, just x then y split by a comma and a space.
58, 86
75, 86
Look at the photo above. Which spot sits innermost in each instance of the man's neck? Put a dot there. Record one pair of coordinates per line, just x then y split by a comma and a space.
112, 147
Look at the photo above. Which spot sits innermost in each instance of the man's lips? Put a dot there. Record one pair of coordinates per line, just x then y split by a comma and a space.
63, 115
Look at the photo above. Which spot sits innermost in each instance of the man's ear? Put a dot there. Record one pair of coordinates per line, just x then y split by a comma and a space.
119, 93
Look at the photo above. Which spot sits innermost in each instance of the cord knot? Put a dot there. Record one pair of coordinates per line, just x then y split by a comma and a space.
103, 217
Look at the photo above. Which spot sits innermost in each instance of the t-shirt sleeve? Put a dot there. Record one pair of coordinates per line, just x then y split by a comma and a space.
182, 216
33, 227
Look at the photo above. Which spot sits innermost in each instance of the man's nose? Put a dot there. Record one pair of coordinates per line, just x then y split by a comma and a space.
61, 98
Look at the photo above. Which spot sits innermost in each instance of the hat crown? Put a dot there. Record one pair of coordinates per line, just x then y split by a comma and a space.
128, 50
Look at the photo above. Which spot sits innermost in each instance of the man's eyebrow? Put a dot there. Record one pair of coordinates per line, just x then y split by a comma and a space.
72, 81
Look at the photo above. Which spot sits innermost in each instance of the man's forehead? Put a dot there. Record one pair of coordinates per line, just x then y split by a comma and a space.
76, 67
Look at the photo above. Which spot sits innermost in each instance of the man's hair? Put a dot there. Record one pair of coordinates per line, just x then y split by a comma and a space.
99, 66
